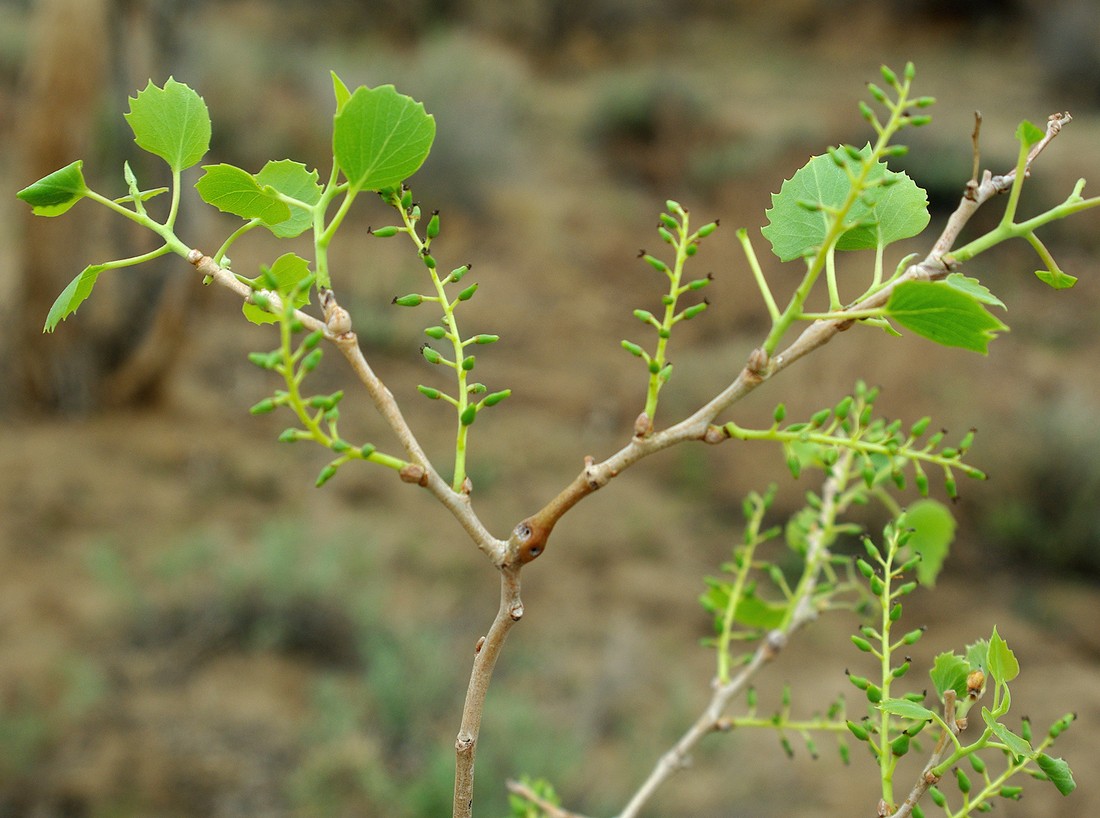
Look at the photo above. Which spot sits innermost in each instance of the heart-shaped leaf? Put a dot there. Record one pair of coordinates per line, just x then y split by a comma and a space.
381, 137
171, 122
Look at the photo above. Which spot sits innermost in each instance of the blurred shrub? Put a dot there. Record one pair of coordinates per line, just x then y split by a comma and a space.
377, 734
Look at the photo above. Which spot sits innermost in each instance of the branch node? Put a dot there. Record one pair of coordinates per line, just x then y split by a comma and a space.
478, 646
715, 434
643, 426
194, 257
414, 473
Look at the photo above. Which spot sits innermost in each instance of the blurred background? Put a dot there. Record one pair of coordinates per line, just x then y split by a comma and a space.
188, 628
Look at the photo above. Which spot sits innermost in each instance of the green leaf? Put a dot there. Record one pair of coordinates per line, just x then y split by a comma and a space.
289, 270
905, 709
975, 289
1028, 133
54, 194
1003, 665
1017, 745
1056, 279
900, 211
381, 137
340, 91
977, 655
171, 122
944, 314
933, 532
291, 179
1058, 771
73, 296
949, 672
798, 221
236, 191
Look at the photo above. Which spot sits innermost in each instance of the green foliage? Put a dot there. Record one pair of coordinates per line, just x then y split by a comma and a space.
945, 314
380, 137
54, 194
171, 122
781, 576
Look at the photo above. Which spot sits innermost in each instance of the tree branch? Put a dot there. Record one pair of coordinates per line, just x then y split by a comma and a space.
530, 535
711, 718
337, 329
485, 658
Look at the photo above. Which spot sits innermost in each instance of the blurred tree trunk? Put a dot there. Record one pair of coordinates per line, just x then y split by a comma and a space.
121, 346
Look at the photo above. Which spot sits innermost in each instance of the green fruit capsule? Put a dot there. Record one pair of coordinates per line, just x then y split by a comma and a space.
913, 637
694, 310
496, 397
858, 730
327, 473
895, 612
900, 670
860, 682
384, 232
877, 585
707, 229
310, 362
938, 798
818, 418
1013, 793
866, 112
963, 781
874, 694
917, 811
656, 263
429, 392
920, 427
924, 102
876, 92
264, 360
779, 413
977, 763
458, 272
691, 250
410, 300
907, 588
668, 221
340, 446
633, 349
468, 293
654, 367
900, 745
438, 333
861, 643
468, 416
919, 121
865, 568
888, 75
468, 363
1025, 729
666, 237
263, 407
312, 340
291, 435
366, 450
433, 225
645, 316
486, 339
1061, 725
700, 283
429, 261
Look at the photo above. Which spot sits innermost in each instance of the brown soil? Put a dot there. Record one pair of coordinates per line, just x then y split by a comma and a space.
151, 663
